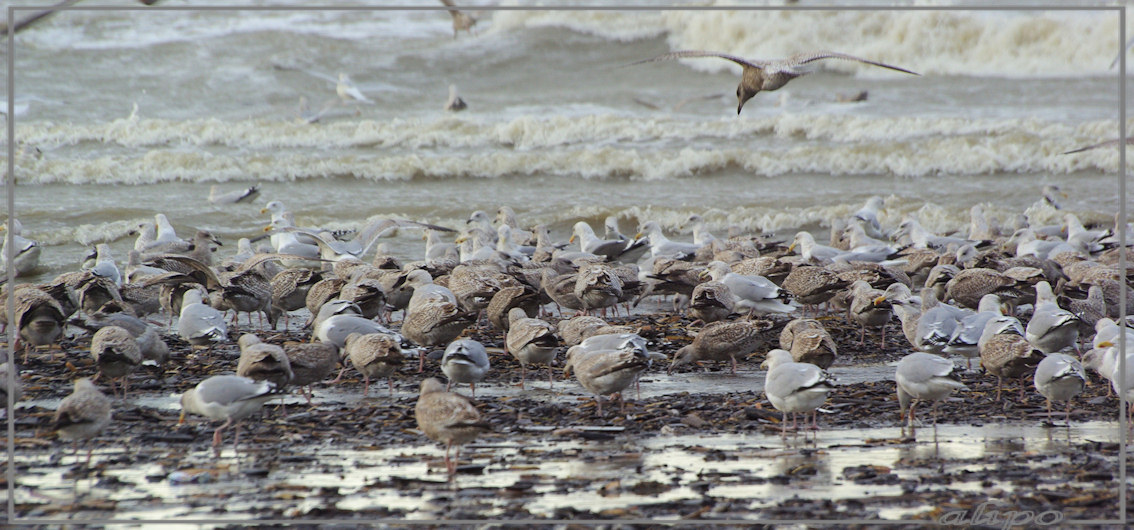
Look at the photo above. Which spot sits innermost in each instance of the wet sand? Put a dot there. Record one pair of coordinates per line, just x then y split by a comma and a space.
697, 444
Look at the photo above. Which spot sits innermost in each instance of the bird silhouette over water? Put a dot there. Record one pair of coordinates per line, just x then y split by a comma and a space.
461, 19
767, 75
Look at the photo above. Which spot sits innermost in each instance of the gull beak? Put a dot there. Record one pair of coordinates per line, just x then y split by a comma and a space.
879, 300
572, 239
764, 365
461, 239
263, 210
703, 273
181, 419
638, 236
1105, 344
791, 247
267, 229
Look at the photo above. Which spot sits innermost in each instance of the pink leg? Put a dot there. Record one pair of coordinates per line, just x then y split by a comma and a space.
420, 361
365, 385
390, 383
340, 376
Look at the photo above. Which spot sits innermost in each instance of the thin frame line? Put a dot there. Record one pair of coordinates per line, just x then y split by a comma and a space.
1122, 401
10, 303
12, 9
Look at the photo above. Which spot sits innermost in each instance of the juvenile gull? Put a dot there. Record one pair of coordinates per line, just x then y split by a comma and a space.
226, 397
447, 417
117, 354
795, 387
925, 377
374, 355
82, 415
310, 362
722, 341
1008, 355
711, 301
768, 75
605, 372
261, 361
531, 341
465, 361
809, 342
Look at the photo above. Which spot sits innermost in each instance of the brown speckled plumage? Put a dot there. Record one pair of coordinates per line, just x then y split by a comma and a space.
969, 285
1008, 355
448, 418
711, 302
374, 355
723, 341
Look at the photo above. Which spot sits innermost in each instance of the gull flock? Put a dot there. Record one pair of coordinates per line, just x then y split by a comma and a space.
1039, 313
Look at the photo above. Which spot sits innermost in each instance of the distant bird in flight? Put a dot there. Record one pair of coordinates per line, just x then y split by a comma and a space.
461, 19
765, 76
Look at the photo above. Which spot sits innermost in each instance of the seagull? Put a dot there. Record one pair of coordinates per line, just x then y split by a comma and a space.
795, 387
348, 92
465, 361
1060, 377
226, 397
447, 417
248, 194
25, 255
200, 324
768, 75
83, 414
925, 376
455, 103
461, 19
332, 249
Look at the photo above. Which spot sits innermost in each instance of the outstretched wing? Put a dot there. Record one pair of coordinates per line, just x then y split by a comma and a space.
804, 58
682, 54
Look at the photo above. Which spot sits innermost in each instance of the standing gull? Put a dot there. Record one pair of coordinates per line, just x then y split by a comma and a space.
199, 324
465, 361
767, 75
374, 355
795, 387
117, 354
447, 417
925, 377
722, 341
531, 341
226, 397
1060, 377
82, 415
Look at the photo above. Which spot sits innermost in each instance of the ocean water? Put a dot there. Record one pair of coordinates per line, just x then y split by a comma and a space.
122, 114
